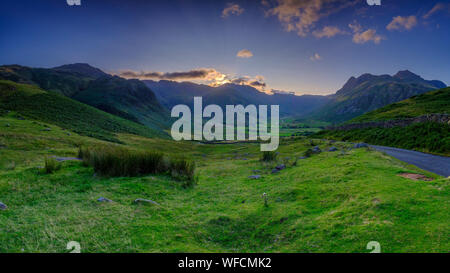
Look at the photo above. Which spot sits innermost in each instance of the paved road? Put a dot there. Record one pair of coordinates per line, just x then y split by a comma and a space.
436, 164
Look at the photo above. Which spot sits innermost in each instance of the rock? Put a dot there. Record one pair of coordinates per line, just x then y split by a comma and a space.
332, 149
139, 200
46, 129
302, 157
360, 145
256, 171
254, 176
8, 125
103, 199
68, 134
287, 158
275, 170
3, 206
62, 159
316, 150
280, 167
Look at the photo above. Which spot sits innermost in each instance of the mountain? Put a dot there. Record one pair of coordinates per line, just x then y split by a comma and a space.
35, 103
171, 93
129, 99
82, 69
369, 92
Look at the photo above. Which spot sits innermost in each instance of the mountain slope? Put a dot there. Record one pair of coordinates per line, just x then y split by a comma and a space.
369, 92
437, 101
35, 103
410, 130
171, 93
129, 99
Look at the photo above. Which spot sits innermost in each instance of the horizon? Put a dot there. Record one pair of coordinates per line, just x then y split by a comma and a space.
306, 47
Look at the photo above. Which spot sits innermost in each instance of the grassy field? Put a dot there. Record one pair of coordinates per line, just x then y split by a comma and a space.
330, 202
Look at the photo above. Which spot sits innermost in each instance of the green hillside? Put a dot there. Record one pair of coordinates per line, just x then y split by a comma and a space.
34, 103
128, 99
428, 137
437, 101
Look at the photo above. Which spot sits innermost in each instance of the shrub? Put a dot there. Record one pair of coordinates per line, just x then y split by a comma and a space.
51, 165
269, 156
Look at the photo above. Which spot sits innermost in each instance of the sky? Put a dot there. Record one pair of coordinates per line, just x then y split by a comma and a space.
301, 46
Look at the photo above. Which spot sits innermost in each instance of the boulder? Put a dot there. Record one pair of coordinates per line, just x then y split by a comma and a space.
280, 167
141, 200
360, 145
302, 157
254, 176
332, 149
275, 170
316, 150
103, 199
3, 206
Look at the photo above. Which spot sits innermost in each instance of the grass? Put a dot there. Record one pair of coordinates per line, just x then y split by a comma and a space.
269, 156
427, 137
326, 203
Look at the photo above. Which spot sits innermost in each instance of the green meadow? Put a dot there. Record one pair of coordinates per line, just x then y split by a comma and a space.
329, 202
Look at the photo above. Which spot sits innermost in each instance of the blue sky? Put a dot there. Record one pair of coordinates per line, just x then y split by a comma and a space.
304, 46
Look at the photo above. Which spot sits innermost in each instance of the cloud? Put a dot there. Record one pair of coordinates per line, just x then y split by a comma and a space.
399, 23
315, 57
328, 31
232, 9
362, 37
367, 36
436, 8
207, 74
244, 53
355, 27
301, 15
256, 82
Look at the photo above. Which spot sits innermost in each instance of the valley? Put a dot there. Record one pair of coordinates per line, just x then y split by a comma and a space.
329, 202
321, 191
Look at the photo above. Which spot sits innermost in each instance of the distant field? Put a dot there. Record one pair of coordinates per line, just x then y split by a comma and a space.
330, 202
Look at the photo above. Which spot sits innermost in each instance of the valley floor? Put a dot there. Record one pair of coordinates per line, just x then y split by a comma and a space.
330, 202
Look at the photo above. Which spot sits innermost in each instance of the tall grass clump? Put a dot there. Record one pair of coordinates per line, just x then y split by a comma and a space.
51, 165
115, 161
183, 169
269, 156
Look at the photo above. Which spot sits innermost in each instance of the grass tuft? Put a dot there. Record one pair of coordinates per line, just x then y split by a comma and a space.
51, 165
269, 156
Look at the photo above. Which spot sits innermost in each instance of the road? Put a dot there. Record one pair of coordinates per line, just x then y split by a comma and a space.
433, 163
